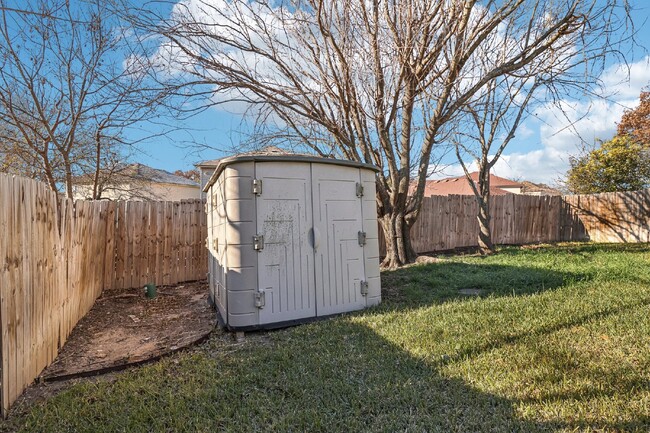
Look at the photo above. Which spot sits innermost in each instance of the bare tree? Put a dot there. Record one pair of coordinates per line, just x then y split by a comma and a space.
377, 81
490, 123
489, 120
67, 91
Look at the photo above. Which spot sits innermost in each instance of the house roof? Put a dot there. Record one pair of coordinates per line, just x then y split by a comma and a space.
209, 163
540, 188
460, 186
497, 181
145, 172
137, 171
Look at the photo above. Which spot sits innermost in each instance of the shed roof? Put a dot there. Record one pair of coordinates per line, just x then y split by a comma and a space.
280, 158
267, 150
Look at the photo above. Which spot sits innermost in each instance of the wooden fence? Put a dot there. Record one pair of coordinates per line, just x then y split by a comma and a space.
155, 242
448, 222
611, 217
57, 256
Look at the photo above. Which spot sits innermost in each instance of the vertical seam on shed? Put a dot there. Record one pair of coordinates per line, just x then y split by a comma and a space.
313, 234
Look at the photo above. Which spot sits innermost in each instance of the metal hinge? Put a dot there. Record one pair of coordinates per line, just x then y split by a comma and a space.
258, 242
362, 238
257, 186
364, 288
260, 298
359, 190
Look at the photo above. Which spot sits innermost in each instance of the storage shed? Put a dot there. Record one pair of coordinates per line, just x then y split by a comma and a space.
291, 238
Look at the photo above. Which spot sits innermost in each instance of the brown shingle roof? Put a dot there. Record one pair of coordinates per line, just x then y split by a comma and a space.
538, 188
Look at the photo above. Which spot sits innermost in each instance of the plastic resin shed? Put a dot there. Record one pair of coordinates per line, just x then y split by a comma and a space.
291, 238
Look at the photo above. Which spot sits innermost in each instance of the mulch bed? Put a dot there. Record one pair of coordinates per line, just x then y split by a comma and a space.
126, 328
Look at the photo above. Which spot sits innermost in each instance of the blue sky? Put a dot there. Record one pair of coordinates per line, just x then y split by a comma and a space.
539, 152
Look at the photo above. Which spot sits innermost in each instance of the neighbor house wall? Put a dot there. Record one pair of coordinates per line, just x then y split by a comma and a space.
204, 177
144, 191
511, 189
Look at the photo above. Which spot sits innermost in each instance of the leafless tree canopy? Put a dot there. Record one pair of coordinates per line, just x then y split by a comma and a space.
378, 81
67, 91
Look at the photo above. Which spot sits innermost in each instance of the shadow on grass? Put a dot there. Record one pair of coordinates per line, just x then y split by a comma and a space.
326, 377
342, 375
574, 248
435, 283
337, 378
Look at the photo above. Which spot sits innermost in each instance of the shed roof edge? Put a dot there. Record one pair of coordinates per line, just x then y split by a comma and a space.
280, 158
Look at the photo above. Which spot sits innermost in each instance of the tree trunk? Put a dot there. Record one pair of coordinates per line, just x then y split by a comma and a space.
485, 244
397, 232
68, 179
98, 155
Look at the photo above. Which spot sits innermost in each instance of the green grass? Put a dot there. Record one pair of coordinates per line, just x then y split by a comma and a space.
559, 340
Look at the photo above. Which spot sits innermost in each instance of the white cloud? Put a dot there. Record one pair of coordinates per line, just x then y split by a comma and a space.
566, 127
542, 165
624, 82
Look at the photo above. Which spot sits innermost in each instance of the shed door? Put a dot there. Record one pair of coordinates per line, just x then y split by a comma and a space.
286, 262
338, 219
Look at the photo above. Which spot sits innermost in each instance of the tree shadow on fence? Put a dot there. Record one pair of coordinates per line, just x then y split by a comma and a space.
620, 216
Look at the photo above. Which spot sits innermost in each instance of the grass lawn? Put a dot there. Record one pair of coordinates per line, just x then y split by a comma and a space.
558, 340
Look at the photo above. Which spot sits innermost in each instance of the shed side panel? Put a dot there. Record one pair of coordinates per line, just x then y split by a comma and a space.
216, 244
208, 244
241, 259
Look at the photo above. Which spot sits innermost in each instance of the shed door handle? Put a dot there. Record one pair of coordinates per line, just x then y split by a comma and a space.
316, 237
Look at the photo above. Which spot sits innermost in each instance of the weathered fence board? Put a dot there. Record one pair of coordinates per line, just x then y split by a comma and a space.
57, 256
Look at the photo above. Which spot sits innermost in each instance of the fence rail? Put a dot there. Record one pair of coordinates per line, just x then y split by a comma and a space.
57, 256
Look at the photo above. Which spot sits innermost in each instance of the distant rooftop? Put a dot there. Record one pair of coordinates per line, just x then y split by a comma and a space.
539, 188
460, 186
145, 173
